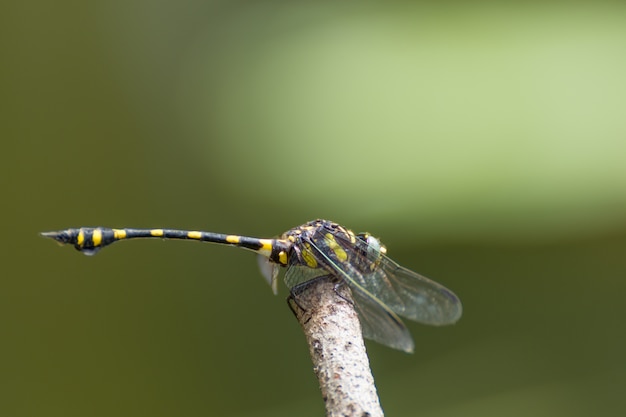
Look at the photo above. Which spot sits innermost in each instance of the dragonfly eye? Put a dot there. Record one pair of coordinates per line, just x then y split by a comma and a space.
374, 248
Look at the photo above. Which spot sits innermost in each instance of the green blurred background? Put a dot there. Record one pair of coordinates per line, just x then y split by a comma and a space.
484, 144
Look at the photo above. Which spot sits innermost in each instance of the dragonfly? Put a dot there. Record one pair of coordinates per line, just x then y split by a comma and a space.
382, 290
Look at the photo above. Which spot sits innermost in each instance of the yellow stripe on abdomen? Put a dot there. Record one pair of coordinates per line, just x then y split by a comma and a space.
194, 235
234, 239
119, 234
96, 237
266, 247
80, 239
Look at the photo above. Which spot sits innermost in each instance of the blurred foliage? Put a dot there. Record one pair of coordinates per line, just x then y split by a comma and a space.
483, 143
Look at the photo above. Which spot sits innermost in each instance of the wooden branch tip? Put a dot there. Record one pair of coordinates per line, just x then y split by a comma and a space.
333, 332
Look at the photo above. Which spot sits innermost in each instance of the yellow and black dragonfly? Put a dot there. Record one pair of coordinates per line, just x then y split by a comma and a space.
382, 290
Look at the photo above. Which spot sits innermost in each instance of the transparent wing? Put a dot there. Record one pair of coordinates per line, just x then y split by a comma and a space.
380, 324
378, 321
269, 270
412, 295
299, 274
405, 292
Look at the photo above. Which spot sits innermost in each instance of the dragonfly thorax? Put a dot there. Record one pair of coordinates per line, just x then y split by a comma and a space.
320, 243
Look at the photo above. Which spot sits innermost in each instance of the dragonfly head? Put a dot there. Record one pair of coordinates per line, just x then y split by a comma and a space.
375, 249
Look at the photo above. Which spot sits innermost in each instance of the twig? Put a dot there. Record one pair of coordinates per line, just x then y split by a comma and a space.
333, 332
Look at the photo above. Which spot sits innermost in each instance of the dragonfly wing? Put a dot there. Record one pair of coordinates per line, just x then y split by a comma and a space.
378, 321
269, 270
299, 274
414, 296
407, 293
380, 324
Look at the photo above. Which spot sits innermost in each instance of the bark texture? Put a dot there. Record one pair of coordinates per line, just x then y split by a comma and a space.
333, 333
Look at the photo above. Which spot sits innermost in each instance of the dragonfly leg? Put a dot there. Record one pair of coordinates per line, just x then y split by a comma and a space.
338, 285
297, 290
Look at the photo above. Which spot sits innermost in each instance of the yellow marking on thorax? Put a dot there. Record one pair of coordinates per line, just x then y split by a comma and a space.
96, 237
194, 235
339, 252
80, 239
233, 239
308, 257
282, 257
119, 234
156, 232
266, 248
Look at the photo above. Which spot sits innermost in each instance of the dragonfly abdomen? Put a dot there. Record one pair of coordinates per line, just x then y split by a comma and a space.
89, 240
